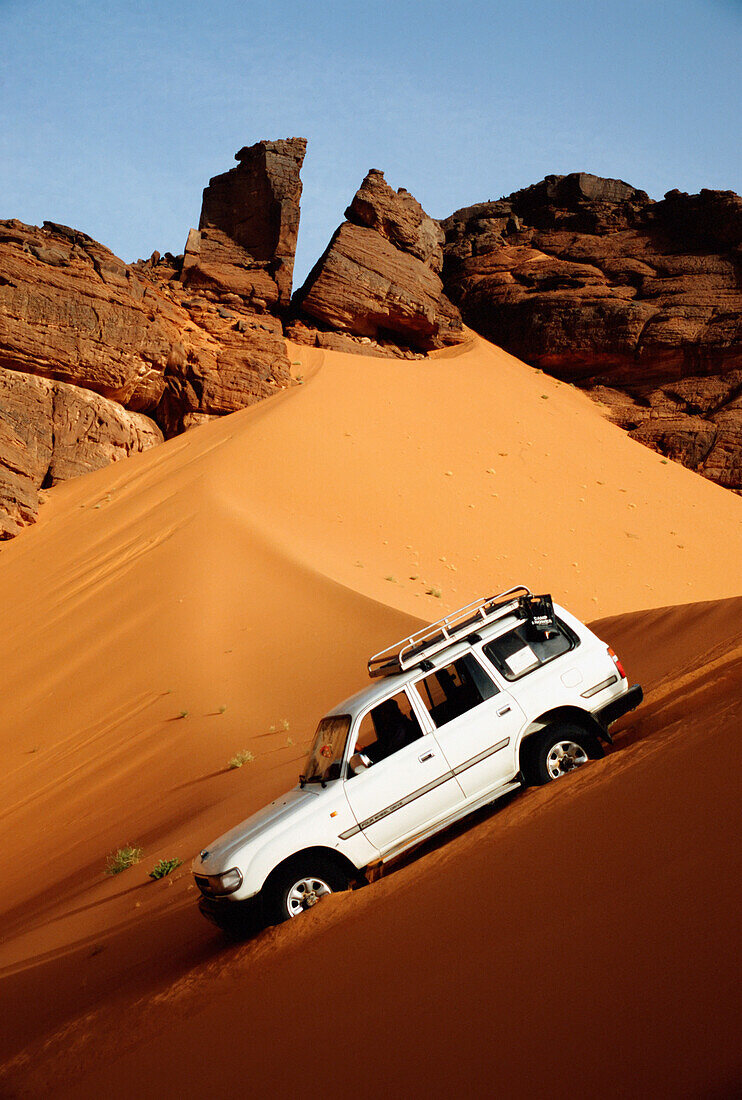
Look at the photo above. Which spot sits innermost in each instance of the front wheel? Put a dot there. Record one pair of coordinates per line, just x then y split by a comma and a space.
557, 751
299, 884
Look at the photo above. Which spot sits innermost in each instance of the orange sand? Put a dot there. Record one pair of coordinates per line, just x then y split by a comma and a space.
578, 937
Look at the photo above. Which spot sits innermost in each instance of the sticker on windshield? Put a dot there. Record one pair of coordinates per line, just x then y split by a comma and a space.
326, 751
521, 661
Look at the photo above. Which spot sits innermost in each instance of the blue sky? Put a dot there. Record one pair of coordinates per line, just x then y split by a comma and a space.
113, 115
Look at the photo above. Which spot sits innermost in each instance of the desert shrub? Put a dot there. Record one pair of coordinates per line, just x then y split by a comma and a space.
163, 867
240, 758
123, 859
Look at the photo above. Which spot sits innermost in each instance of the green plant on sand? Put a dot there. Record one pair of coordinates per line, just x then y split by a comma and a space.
123, 859
240, 758
163, 867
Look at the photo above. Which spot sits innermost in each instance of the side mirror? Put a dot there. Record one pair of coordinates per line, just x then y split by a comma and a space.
359, 763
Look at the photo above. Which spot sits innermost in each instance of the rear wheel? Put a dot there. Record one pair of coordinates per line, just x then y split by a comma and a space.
558, 750
299, 884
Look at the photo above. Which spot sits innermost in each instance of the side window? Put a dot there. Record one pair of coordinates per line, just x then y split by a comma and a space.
523, 649
451, 691
387, 728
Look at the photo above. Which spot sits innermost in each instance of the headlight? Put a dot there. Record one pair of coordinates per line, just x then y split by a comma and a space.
212, 886
229, 881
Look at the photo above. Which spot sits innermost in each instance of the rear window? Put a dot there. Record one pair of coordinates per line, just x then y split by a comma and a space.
524, 649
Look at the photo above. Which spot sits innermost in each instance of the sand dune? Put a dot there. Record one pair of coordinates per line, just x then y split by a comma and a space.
242, 574
578, 941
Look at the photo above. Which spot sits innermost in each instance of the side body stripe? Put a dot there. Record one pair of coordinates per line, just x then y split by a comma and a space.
424, 790
481, 756
599, 687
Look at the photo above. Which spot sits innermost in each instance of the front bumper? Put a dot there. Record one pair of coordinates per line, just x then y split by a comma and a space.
616, 709
237, 919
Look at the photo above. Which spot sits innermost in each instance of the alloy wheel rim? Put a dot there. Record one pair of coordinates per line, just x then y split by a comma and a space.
305, 893
564, 757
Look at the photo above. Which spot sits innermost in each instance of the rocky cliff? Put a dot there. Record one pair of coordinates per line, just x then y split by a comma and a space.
99, 358
377, 288
587, 278
52, 431
637, 301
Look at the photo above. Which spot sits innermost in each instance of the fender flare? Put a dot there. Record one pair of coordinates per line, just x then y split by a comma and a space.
341, 860
564, 714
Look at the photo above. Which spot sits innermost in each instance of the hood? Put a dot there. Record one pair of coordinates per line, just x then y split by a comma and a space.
218, 857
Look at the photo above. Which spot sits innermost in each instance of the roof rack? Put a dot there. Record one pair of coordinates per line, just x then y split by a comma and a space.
411, 652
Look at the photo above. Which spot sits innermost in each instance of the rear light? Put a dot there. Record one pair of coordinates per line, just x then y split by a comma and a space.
617, 663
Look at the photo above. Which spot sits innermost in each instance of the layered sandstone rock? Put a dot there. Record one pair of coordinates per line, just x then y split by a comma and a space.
50, 432
696, 421
246, 240
226, 357
379, 278
234, 281
640, 301
180, 338
72, 311
80, 337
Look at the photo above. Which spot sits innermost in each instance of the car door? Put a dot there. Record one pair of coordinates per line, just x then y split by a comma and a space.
409, 784
476, 723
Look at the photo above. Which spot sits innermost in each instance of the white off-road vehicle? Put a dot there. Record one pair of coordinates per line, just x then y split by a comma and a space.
506, 692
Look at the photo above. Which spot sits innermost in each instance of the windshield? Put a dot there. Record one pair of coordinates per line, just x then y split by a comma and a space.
328, 747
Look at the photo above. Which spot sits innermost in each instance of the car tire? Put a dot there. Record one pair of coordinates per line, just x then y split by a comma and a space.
556, 751
298, 884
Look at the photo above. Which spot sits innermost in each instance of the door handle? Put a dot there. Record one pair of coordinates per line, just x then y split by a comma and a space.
503, 710
426, 756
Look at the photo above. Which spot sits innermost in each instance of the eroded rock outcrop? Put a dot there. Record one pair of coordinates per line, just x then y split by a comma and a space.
227, 357
88, 343
72, 311
379, 278
587, 278
234, 281
637, 300
246, 239
50, 432
132, 333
